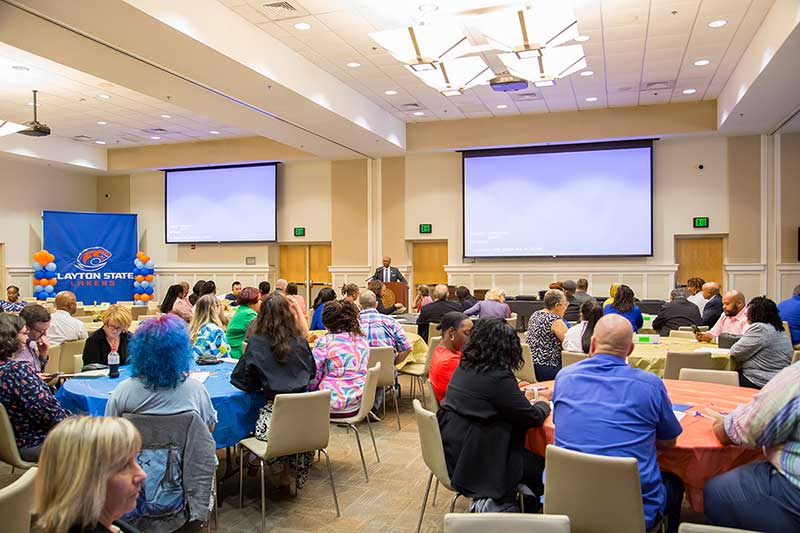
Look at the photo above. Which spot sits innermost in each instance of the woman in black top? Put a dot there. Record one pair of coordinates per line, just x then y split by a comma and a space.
113, 335
484, 418
464, 298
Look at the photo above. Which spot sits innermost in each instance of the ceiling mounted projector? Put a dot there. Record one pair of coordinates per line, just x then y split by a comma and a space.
505, 83
35, 128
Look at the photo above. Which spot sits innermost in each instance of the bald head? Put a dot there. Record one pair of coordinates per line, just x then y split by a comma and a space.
733, 302
386, 261
710, 290
440, 292
65, 301
613, 335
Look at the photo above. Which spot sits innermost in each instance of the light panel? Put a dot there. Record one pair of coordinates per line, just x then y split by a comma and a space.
428, 43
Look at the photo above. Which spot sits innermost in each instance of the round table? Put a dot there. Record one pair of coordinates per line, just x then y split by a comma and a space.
237, 410
698, 455
653, 357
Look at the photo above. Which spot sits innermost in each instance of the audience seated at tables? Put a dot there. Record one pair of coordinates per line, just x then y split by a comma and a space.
765, 495
236, 288
546, 331
790, 312
484, 418
341, 359
433, 312
324, 296
175, 303
278, 360
465, 298
112, 336
602, 406
350, 292
160, 356
249, 303
422, 298
679, 311
578, 338
291, 290
625, 304
196, 290
264, 289
377, 287
63, 326
206, 331
12, 303
455, 329
581, 294
31, 407
733, 319
88, 476
694, 286
612, 291
764, 349
33, 350
712, 309
573, 312
492, 306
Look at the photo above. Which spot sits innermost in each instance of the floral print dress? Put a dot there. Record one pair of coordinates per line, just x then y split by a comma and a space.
211, 342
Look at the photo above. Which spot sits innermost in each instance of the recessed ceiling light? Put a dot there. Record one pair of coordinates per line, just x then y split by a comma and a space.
717, 23
419, 113
99, 142
214, 132
689, 91
587, 73
155, 137
582, 38
702, 62
21, 68
166, 116
390, 92
104, 96
101, 122
544, 83
353, 64
591, 99
501, 106
302, 26
452, 92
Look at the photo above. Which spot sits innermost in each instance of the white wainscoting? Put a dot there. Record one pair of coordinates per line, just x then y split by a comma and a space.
748, 278
342, 274
788, 279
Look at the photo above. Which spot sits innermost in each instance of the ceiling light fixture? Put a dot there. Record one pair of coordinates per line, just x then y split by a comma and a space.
100, 142
501, 106
455, 75
545, 83
155, 137
418, 113
390, 92
717, 23
586, 73
689, 91
591, 99
104, 96
423, 47
302, 26
214, 132
353, 64
7, 128
451, 92
702, 62
21, 68
166, 116
582, 38
545, 26
101, 122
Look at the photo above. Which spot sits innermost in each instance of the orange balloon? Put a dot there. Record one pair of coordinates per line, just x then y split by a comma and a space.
145, 259
42, 259
53, 281
144, 297
51, 258
137, 296
139, 278
44, 282
149, 277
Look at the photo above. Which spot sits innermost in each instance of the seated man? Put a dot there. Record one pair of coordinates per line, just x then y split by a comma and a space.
580, 294
603, 406
573, 312
679, 311
63, 327
733, 319
263, 289
236, 288
12, 303
34, 350
433, 312
712, 306
761, 496
790, 312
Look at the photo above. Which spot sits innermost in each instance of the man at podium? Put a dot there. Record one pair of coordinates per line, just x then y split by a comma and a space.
387, 273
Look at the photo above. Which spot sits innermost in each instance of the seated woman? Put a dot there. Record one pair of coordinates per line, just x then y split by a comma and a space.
546, 331
175, 303
464, 297
196, 291
351, 292
422, 298
113, 336
377, 287
324, 296
291, 290
579, 337
484, 418
206, 331
31, 407
277, 361
625, 304
249, 301
493, 305
159, 384
88, 476
455, 328
612, 291
341, 357
764, 349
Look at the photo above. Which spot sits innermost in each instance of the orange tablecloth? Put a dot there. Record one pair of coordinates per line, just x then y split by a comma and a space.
698, 456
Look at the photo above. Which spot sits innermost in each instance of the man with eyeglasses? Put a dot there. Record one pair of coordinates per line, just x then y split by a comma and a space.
34, 350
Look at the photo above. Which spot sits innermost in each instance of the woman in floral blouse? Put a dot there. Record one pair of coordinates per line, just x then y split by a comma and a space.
208, 335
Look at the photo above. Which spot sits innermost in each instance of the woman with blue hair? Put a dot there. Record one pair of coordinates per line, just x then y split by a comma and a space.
160, 353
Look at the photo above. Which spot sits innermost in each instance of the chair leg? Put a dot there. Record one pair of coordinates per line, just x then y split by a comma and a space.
384, 402
374, 446
422, 388
396, 408
263, 500
333, 487
521, 503
360, 451
424, 502
241, 476
453, 503
435, 492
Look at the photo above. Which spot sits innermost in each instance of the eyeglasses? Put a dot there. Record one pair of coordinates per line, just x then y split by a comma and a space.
114, 328
37, 330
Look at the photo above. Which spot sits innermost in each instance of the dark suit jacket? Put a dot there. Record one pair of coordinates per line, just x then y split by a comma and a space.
680, 312
433, 312
394, 274
712, 311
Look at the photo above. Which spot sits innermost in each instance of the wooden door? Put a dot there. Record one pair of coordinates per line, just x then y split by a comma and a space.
699, 258
293, 263
429, 259
319, 260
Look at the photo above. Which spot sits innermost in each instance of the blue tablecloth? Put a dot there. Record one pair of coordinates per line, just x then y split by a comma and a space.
237, 411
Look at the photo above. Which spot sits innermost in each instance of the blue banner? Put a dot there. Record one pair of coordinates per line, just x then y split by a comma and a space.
94, 253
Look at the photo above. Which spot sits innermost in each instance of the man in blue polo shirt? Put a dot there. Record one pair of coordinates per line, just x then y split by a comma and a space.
603, 406
790, 312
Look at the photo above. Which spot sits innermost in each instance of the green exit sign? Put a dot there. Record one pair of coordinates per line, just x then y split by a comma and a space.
701, 222
299, 232
426, 228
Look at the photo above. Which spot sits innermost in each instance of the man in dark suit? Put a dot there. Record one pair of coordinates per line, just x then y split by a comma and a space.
713, 308
388, 273
573, 312
676, 313
434, 311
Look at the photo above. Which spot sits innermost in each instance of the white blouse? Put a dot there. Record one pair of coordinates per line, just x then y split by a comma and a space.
572, 339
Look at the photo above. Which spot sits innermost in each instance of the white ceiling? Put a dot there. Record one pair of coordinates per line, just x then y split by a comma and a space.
632, 43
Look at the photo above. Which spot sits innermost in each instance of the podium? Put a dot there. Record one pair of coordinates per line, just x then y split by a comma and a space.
395, 292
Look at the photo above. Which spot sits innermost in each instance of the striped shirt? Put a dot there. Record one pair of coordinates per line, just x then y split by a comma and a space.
772, 421
383, 330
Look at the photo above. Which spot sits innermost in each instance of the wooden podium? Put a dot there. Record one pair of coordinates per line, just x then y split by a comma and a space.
395, 292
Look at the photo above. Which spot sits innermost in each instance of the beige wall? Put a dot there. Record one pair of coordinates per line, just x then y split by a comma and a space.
790, 196
114, 194
304, 199
393, 203
744, 176
350, 216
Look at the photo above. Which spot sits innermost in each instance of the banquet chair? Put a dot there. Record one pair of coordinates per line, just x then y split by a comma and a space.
72, 356
570, 358
677, 360
434, 400
796, 356
137, 311
505, 522
512, 320
419, 371
787, 331
410, 328
689, 328
702, 528
86, 318
288, 437
386, 356
526, 372
721, 377
15, 500
597, 493
367, 400
680, 334
9, 453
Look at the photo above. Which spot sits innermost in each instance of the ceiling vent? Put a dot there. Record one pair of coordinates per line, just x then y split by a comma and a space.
282, 10
525, 97
473, 108
411, 106
82, 138
158, 131
656, 86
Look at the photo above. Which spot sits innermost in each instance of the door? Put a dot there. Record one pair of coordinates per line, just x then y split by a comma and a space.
699, 258
307, 266
429, 259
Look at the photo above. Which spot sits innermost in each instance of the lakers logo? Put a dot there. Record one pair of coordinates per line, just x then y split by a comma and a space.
93, 259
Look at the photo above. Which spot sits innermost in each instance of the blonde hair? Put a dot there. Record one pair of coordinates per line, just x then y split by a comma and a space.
497, 294
613, 289
205, 311
119, 314
78, 457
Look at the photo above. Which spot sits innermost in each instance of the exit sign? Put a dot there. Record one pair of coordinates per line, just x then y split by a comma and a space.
426, 228
299, 232
701, 222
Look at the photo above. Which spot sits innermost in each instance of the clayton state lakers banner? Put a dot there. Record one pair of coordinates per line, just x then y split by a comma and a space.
93, 252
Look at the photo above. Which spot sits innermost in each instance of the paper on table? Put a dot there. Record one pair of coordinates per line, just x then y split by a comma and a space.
718, 351
679, 415
229, 360
88, 374
200, 376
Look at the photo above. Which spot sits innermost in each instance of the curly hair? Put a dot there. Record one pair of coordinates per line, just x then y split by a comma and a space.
160, 351
623, 299
493, 344
553, 297
341, 316
10, 326
275, 321
762, 309
350, 289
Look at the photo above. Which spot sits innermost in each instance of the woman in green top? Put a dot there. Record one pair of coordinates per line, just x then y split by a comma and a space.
249, 301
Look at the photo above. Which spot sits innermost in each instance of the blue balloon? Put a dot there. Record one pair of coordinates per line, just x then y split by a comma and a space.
49, 275
36, 267
149, 290
145, 284
135, 283
37, 289
51, 267
149, 264
41, 295
48, 289
138, 263
139, 290
39, 274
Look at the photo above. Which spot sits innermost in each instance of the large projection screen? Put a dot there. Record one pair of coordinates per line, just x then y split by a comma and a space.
583, 200
221, 204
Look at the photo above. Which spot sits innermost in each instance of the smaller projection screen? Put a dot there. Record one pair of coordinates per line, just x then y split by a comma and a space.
221, 204
582, 200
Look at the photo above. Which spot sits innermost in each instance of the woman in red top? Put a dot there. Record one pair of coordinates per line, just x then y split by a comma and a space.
455, 328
